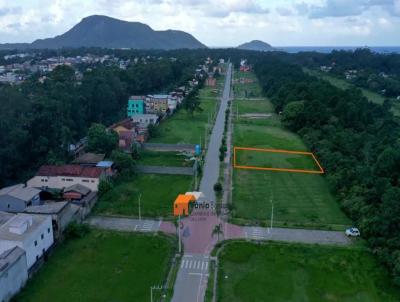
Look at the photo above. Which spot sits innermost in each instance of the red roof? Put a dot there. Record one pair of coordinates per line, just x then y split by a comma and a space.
69, 170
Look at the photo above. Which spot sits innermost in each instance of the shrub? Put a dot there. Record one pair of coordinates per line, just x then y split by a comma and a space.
217, 187
76, 230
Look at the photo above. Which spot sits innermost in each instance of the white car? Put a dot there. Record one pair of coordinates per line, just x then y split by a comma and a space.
352, 232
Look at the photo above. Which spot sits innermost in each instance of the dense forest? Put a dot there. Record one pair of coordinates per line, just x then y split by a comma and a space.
38, 120
357, 142
377, 72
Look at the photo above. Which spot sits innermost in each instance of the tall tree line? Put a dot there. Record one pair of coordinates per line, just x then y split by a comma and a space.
357, 142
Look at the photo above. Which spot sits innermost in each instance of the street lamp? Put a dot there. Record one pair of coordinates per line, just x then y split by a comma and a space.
140, 216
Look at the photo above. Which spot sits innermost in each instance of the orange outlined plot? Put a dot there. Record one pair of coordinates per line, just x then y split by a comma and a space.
235, 165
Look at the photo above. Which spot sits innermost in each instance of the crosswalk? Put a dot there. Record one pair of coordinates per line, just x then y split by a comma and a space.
147, 226
256, 233
194, 265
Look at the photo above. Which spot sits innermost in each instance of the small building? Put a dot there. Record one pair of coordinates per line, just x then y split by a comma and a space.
75, 192
181, 204
32, 233
16, 198
60, 177
89, 159
62, 213
146, 119
135, 105
13, 272
211, 82
157, 104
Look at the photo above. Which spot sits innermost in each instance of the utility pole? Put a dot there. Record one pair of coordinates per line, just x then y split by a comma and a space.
195, 174
140, 216
272, 212
179, 234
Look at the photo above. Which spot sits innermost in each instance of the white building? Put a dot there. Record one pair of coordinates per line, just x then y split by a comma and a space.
13, 272
60, 177
32, 233
145, 119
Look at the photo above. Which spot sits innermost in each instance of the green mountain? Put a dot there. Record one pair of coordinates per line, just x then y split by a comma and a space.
256, 45
107, 32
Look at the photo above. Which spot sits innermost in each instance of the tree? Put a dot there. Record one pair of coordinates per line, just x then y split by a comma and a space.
123, 162
101, 140
217, 231
192, 102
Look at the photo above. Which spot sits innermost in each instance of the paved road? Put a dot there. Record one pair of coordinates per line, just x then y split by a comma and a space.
124, 224
211, 165
193, 274
197, 228
296, 235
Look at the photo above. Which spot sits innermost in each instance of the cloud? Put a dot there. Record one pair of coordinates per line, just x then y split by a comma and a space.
10, 10
344, 8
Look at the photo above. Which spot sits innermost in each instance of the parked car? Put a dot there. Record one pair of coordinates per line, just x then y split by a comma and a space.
352, 232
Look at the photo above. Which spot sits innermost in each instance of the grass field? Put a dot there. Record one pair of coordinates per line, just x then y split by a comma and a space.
167, 159
300, 200
292, 272
102, 267
185, 128
158, 193
262, 159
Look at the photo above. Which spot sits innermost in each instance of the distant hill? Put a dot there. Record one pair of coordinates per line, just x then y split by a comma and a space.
107, 32
256, 45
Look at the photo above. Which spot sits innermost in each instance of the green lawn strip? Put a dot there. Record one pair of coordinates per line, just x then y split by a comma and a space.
158, 193
185, 128
102, 266
262, 159
167, 159
300, 200
295, 272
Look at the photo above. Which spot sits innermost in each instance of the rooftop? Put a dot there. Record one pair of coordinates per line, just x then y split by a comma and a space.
47, 208
8, 257
105, 164
78, 188
69, 170
4, 217
17, 221
89, 158
20, 191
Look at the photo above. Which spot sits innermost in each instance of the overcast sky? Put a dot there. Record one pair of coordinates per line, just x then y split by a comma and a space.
219, 22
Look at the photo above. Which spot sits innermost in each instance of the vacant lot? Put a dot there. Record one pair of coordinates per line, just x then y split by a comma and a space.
102, 266
165, 159
158, 193
243, 89
300, 200
263, 159
185, 128
293, 272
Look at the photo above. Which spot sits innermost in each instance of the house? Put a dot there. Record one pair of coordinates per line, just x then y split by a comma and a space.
62, 214
211, 82
157, 104
172, 104
107, 166
16, 198
146, 119
135, 105
13, 272
89, 159
60, 177
32, 233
